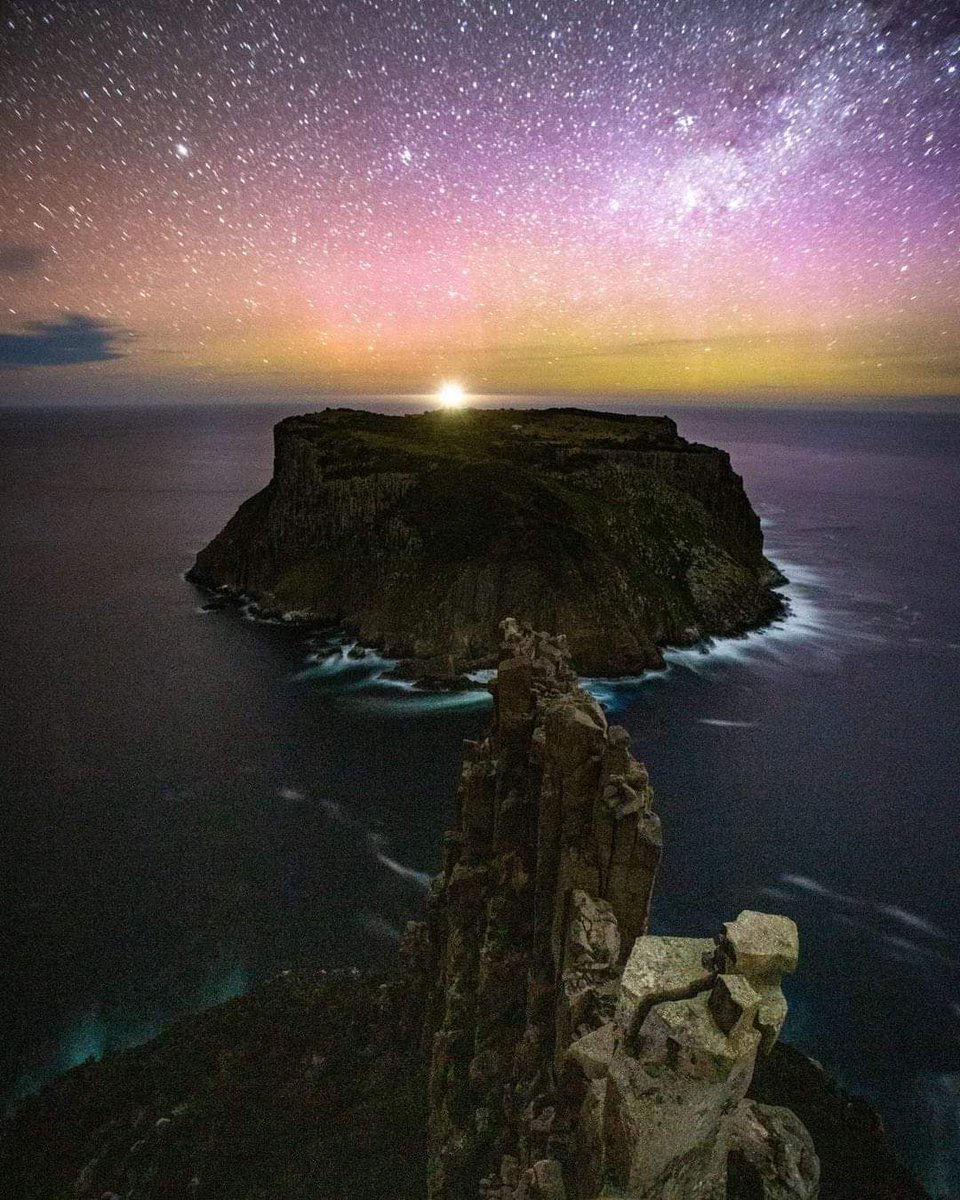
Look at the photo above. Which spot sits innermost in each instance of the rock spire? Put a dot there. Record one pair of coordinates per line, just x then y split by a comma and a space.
571, 1053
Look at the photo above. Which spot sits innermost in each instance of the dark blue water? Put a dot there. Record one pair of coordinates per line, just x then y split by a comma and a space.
189, 804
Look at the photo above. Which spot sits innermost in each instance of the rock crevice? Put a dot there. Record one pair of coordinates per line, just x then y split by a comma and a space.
572, 1054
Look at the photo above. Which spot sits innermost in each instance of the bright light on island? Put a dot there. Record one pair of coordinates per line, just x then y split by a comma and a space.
451, 395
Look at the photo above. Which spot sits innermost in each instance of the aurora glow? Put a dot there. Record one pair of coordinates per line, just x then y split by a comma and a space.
748, 199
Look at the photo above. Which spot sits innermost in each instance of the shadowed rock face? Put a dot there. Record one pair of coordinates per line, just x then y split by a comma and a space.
547, 881
417, 533
570, 1051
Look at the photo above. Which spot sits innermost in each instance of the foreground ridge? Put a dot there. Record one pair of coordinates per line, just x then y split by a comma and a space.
572, 1054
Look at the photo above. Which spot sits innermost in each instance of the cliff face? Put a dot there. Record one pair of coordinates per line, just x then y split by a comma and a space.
417, 533
533, 1042
571, 1053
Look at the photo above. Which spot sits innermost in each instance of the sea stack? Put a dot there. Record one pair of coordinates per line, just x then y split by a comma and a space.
417, 534
572, 1054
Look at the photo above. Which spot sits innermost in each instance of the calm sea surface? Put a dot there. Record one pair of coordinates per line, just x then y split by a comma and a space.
188, 804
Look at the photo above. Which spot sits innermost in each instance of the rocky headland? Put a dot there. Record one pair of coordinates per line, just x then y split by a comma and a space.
415, 534
533, 1041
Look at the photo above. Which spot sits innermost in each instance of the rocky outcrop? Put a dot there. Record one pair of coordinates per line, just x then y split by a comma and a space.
571, 1053
533, 1042
855, 1158
667, 1115
546, 883
417, 533
771, 1154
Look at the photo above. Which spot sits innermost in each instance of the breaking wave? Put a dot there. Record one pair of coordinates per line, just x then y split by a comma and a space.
811, 624
420, 878
99, 1031
361, 678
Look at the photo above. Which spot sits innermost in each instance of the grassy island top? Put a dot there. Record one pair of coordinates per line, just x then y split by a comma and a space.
551, 438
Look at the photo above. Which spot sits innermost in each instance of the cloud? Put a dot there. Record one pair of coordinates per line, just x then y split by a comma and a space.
19, 258
74, 339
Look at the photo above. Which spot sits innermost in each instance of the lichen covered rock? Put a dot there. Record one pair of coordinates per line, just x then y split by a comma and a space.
771, 1155
661, 968
573, 1054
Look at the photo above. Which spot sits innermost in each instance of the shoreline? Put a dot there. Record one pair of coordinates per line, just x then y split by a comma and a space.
340, 636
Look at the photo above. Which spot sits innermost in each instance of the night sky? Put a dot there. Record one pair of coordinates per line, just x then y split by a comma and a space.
274, 198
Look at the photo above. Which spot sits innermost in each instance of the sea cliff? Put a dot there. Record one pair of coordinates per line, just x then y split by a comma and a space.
532, 1042
417, 533
572, 1054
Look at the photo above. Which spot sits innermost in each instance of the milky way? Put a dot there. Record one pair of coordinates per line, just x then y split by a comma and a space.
689, 197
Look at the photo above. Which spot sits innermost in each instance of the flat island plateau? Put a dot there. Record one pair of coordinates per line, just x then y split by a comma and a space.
418, 534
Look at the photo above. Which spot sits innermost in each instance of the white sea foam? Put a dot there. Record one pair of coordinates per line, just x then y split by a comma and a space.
289, 793
340, 662
805, 621
420, 878
917, 953
911, 919
928, 946
806, 624
367, 683
717, 723
910, 949
609, 692
416, 701
395, 682
806, 884
373, 842
484, 675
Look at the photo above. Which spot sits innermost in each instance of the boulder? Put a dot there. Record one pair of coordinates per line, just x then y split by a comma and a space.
661, 968
592, 1053
762, 948
771, 1155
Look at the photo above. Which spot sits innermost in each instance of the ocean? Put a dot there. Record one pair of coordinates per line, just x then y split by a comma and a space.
191, 802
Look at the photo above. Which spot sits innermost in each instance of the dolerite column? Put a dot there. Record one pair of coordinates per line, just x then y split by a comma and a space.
546, 885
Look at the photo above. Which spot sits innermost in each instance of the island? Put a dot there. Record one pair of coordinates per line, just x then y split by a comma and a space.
415, 534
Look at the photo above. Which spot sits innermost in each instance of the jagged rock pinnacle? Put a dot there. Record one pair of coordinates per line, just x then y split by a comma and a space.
571, 1053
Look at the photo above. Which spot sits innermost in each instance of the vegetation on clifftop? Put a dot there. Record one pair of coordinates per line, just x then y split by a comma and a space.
296, 1090
417, 533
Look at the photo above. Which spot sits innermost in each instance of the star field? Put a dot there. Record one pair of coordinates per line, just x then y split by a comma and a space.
274, 196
